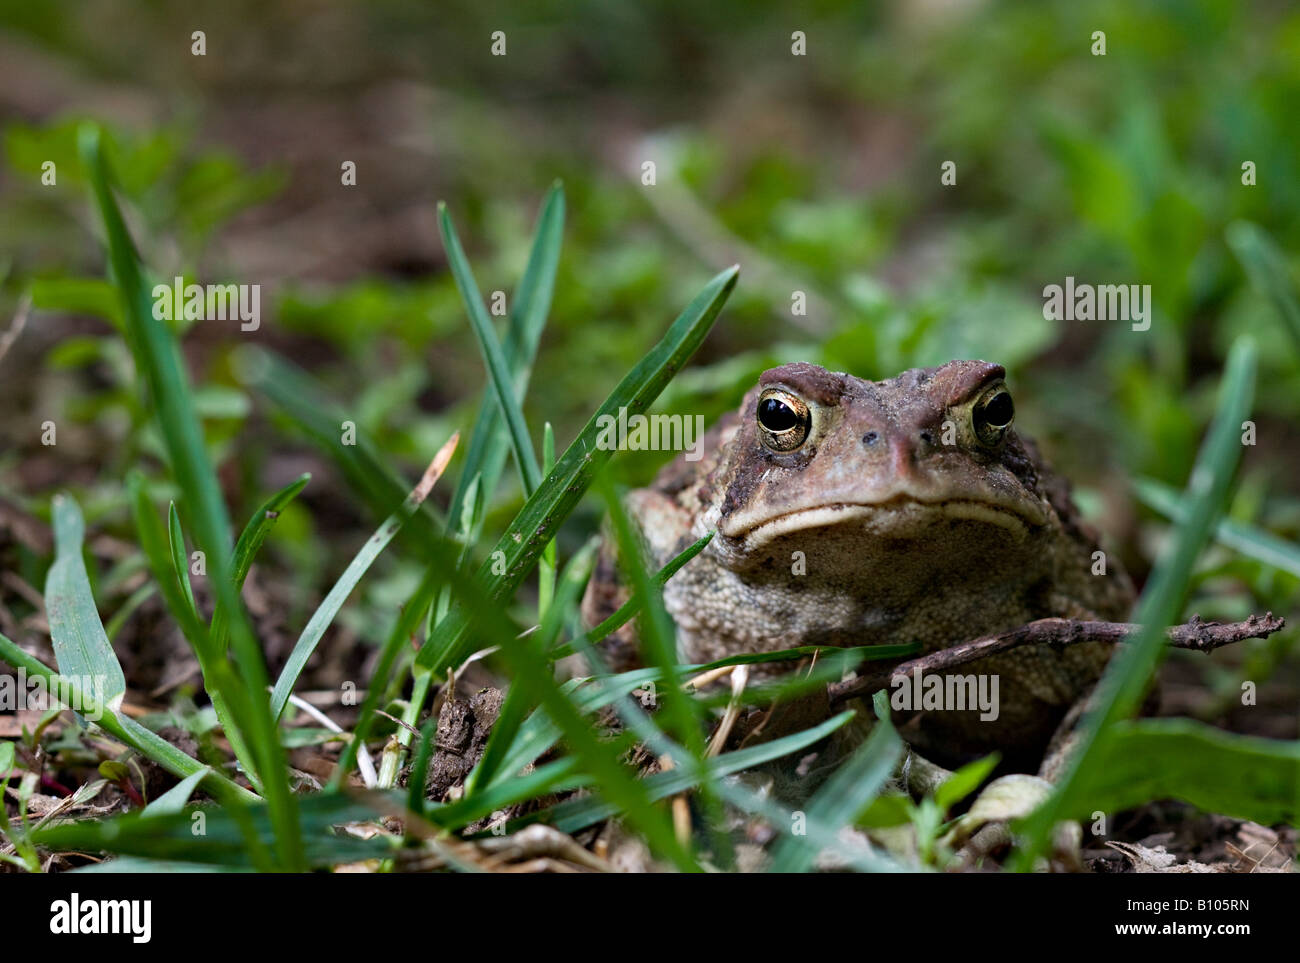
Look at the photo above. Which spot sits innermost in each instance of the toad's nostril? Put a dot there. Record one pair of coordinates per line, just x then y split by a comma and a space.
927, 437
870, 438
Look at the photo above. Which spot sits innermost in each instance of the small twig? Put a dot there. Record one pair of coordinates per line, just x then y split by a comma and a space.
404, 725
681, 808
708, 678
1058, 633
739, 679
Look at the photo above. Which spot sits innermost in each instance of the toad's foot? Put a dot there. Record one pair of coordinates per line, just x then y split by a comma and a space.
984, 831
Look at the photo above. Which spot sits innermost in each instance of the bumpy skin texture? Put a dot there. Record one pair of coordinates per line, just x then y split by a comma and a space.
912, 527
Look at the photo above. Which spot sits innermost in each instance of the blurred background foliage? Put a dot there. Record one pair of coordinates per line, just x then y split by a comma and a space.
818, 174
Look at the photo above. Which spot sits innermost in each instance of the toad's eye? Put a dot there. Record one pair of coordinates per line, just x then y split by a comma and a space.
783, 419
992, 416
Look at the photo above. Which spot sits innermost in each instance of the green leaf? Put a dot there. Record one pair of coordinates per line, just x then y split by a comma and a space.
1245, 777
658, 639
127, 609
419, 776
158, 364
493, 358
260, 524
546, 564
250, 542
552, 777
403, 626
514, 707
539, 732
92, 296
174, 799
633, 605
306, 403
885, 811
1267, 269
488, 443
815, 834
575, 814
329, 607
532, 670
171, 836
964, 781
81, 646
1124, 682
535, 525
849, 790
212, 660
179, 560
139, 864
121, 727
681, 715
1253, 542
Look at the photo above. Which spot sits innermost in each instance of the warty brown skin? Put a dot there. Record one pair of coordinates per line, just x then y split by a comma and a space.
900, 516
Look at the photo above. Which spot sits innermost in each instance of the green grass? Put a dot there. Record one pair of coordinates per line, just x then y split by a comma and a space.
504, 584
461, 606
1130, 672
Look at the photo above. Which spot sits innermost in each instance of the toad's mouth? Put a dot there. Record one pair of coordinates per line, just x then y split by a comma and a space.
899, 517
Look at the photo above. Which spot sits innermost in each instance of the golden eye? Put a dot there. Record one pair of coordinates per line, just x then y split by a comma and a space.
783, 419
992, 416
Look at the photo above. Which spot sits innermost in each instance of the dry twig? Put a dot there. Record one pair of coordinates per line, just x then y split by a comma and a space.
1058, 633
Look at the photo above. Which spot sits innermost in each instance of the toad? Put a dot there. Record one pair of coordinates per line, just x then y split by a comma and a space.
850, 512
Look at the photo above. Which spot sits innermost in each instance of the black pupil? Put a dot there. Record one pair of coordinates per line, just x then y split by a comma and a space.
775, 415
999, 411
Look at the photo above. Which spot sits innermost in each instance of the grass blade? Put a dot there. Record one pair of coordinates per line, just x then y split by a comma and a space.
419, 777
532, 303
1253, 542
658, 640
177, 539
250, 541
1120, 690
546, 565
174, 799
154, 544
333, 601
122, 728
539, 732
552, 777
170, 836
158, 364
306, 403
1267, 269
848, 791
128, 609
260, 524
81, 647
572, 815
403, 628
514, 707
536, 523
493, 358
633, 605
530, 669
